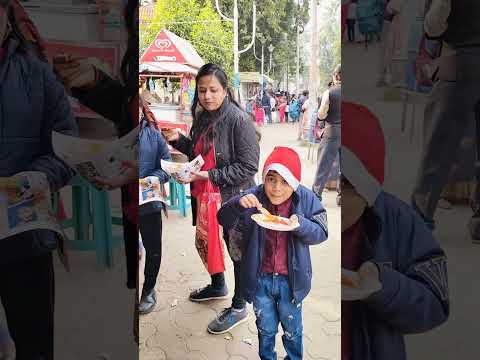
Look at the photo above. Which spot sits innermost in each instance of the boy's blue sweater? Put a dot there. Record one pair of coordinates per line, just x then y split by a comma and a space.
312, 230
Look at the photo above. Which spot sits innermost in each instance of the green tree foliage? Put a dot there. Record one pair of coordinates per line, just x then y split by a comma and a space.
276, 25
329, 39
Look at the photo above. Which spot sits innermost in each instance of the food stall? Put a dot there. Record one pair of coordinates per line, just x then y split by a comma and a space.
250, 84
169, 66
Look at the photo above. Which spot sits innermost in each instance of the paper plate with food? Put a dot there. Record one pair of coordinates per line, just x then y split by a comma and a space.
273, 222
353, 289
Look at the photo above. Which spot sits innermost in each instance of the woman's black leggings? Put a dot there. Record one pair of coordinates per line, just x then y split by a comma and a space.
218, 280
151, 231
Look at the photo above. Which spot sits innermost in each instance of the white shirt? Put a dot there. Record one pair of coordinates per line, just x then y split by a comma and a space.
272, 102
324, 105
436, 18
436, 22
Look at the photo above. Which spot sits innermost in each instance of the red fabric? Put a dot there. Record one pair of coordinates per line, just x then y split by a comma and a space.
281, 111
215, 251
351, 242
259, 114
2, 53
275, 252
198, 187
287, 157
360, 127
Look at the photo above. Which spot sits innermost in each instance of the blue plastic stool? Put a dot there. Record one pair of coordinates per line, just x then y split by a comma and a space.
92, 207
178, 197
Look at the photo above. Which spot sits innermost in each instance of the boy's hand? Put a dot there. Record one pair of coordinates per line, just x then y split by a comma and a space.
250, 201
366, 282
369, 277
294, 220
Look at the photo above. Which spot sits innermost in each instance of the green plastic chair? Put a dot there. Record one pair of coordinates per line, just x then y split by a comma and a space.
178, 197
91, 207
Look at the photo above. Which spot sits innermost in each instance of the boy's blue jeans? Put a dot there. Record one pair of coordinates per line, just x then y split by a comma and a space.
273, 305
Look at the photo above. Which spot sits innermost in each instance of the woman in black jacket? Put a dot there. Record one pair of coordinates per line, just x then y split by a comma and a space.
225, 137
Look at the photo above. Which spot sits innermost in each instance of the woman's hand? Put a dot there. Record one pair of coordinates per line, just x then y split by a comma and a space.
250, 201
171, 134
129, 176
198, 176
75, 72
194, 176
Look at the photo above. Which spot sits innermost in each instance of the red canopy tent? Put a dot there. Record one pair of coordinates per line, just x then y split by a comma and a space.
171, 57
170, 54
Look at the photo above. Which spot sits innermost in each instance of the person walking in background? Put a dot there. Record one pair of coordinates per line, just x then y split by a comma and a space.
281, 109
267, 106
258, 111
351, 19
301, 101
287, 107
330, 112
274, 107
386, 47
219, 123
294, 109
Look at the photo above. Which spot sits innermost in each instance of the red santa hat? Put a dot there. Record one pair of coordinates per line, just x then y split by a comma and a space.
363, 151
286, 162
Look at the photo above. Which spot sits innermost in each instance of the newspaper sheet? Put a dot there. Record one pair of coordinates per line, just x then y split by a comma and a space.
150, 189
25, 204
182, 170
96, 158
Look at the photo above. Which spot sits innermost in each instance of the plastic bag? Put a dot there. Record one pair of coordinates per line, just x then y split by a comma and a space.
209, 233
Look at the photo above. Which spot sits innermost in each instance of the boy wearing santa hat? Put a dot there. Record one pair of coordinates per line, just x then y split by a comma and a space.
275, 265
395, 271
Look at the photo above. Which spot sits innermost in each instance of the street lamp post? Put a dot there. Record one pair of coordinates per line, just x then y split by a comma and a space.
299, 31
270, 49
262, 79
313, 59
236, 52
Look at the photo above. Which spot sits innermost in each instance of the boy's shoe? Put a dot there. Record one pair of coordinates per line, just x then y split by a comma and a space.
208, 293
227, 320
147, 302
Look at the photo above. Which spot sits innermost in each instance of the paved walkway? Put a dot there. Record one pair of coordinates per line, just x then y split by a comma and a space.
176, 330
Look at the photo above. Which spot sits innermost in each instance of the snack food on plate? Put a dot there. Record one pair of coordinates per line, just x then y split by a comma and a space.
347, 282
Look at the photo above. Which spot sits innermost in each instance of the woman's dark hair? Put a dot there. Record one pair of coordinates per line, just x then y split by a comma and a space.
203, 124
129, 66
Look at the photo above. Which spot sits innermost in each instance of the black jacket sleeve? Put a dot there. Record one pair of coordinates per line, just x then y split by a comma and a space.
105, 98
247, 154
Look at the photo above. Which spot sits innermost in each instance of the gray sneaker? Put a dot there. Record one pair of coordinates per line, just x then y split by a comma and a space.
227, 320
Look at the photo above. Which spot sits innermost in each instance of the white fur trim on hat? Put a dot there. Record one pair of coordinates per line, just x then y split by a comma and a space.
356, 173
284, 172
